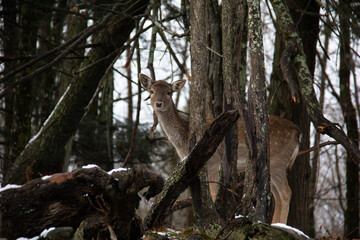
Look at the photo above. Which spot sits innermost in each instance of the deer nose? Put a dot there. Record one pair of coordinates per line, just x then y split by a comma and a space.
158, 104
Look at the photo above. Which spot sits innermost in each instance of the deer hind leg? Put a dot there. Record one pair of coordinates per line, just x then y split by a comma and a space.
282, 195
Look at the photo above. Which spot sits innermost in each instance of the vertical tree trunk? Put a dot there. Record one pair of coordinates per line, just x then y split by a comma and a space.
351, 225
10, 45
205, 215
234, 39
258, 111
22, 105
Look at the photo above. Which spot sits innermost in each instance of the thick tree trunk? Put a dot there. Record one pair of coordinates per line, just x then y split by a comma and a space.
204, 210
91, 196
351, 224
40, 155
258, 112
234, 41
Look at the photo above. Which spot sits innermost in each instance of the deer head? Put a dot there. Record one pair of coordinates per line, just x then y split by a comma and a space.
161, 92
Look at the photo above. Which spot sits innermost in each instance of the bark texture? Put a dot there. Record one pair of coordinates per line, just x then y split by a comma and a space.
259, 146
204, 210
351, 224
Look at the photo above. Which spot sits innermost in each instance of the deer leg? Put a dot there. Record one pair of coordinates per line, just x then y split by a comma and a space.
277, 203
282, 195
285, 195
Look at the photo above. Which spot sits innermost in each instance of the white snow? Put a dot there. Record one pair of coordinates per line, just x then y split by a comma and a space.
46, 177
91, 166
23, 238
117, 170
9, 186
281, 225
46, 231
239, 216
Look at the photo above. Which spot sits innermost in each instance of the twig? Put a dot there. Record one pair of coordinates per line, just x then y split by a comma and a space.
133, 137
87, 33
317, 147
163, 37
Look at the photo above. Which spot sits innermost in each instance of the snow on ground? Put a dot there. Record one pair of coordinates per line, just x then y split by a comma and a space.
284, 226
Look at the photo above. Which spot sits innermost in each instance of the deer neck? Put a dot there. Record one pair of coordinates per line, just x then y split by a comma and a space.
177, 130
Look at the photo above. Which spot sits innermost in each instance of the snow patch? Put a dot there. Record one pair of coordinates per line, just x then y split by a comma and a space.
23, 238
91, 166
46, 232
117, 170
45, 177
239, 216
284, 226
9, 186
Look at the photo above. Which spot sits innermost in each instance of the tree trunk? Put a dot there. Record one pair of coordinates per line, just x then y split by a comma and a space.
259, 149
62, 123
204, 210
351, 225
234, 41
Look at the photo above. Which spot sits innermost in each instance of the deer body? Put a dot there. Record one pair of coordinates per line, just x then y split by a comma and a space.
284, 143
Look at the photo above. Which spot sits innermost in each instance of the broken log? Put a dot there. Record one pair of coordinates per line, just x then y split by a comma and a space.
100, 202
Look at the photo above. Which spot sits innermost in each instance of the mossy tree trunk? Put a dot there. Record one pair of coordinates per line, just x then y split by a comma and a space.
257, 180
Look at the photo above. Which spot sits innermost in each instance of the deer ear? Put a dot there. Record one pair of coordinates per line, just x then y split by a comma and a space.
145, 81
178, 85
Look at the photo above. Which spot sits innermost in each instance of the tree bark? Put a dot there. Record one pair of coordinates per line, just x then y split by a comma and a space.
62, 123
351, 214
91, 196
204, 210
186, 171
259, 156
234, 41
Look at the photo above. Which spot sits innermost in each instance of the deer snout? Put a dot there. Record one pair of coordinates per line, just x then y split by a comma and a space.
158, 105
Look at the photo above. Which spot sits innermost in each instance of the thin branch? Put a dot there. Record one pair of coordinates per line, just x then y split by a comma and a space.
163, 37
86, 34
317, 147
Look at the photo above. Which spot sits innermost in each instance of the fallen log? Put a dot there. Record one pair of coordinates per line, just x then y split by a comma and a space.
100, 202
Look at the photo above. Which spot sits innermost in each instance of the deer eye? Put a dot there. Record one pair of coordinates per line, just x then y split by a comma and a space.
151, 91
169, 93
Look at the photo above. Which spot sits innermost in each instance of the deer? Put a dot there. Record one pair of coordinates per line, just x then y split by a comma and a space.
284, 143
